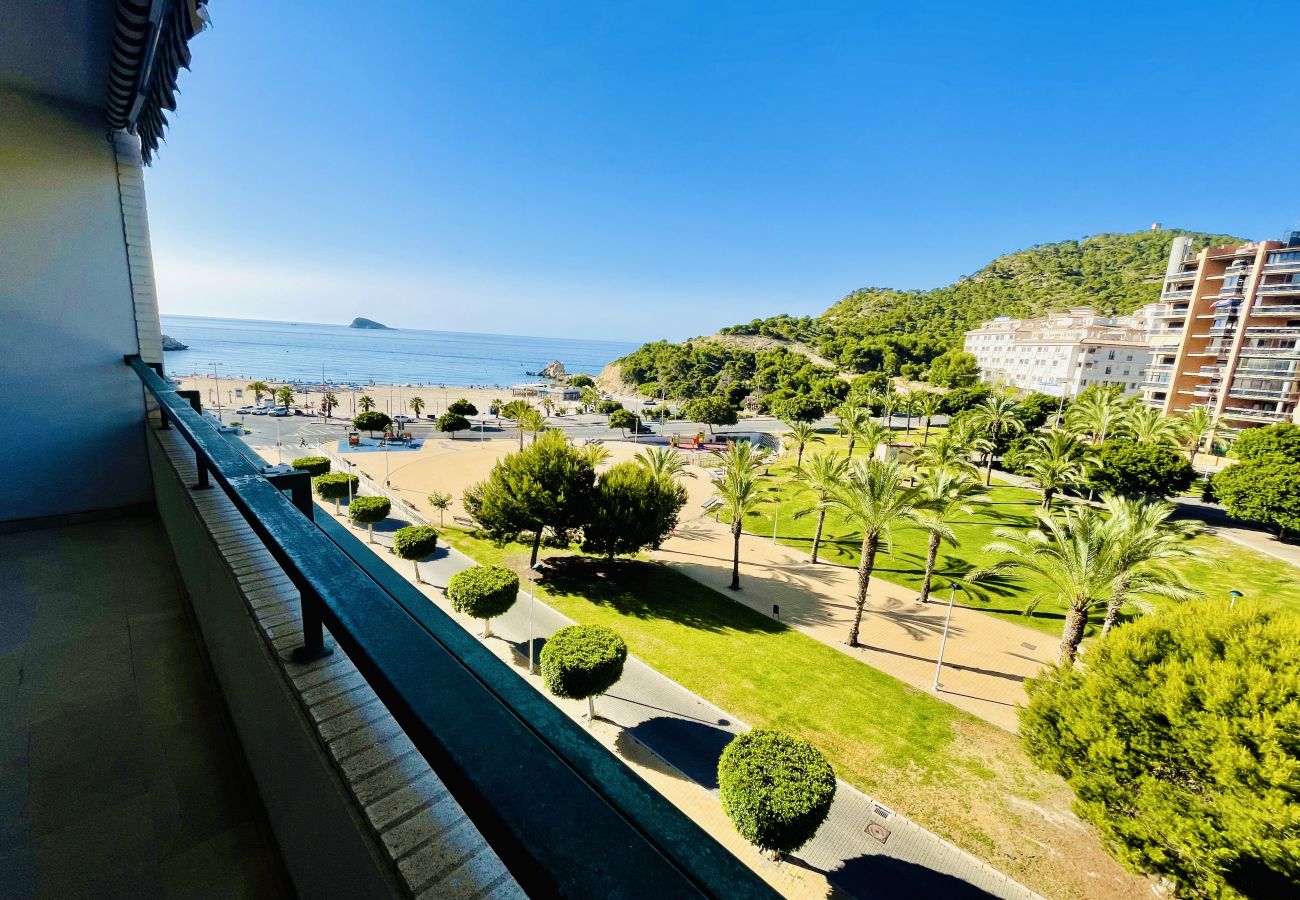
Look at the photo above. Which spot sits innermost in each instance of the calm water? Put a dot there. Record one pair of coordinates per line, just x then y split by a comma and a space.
284, 351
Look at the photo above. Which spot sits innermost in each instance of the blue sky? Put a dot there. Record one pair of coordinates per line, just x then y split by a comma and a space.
660, 169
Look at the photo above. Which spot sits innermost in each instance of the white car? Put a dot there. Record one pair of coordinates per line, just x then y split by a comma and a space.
258, 411
279, 412
403, 420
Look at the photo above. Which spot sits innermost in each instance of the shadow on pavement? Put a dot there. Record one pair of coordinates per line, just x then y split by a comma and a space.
692, 747
876, 875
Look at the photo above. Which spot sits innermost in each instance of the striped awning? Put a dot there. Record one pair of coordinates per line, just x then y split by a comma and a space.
150, 46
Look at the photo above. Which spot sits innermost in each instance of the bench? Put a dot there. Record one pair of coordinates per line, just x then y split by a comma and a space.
462, 520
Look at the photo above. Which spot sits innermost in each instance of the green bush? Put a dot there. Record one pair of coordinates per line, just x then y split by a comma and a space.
582, 661
622, 419
451, 422
415, 541
1180, 741
581, 381
463, 407
605, 407
312, 465
369, 510
776, 789
1264, 489
1140, 470
335, 486
483, 592
1280, 441
371, 421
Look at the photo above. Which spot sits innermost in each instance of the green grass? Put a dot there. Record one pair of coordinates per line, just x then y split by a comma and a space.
951, 772
1227, 566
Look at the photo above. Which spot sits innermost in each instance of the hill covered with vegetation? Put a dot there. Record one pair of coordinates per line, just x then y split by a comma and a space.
899, 332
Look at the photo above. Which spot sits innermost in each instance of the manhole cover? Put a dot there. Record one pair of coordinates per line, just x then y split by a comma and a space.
878, 831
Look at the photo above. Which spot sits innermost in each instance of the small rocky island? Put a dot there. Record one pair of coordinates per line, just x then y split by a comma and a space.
359, 322
170, 343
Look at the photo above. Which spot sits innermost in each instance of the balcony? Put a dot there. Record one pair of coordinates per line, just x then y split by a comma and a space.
1253, 414
1284, 393
1264, 331
1290, 288
1247, 371
1279, 309
1180, 294
1290, 266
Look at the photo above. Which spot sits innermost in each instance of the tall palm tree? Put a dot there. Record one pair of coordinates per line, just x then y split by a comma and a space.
532, 422
329, 403
740, 494
824, 473
1097, 413
517, 411
853, 420
663, 463
549, 405
366, 403
259, 388
943, 495
928, 405
907, 406
1199, 425
951, 450
1150, 426
1057, 460
417, 405
1145, 540
801, 434
875, 496
873, 434
1073, 554
889, 400
589, 398
1000, 416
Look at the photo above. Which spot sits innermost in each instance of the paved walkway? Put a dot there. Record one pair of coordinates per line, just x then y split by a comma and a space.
673, 738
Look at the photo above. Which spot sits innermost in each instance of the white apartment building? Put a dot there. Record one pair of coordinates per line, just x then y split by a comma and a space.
1063, 353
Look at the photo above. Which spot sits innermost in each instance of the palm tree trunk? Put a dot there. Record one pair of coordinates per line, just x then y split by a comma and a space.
1072, 636
929, 565
1047, 499
817, 535
798, 460
521, 438
852, 440
925, 439
869, 544
735, 555
1114, 605
988, 469
537, 545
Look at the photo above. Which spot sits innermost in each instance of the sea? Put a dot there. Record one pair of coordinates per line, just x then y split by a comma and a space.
303, 351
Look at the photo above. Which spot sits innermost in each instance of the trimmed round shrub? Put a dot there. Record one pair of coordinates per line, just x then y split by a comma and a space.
415, 541
369, 510
582, 661
776, 789
371, 421
335, 486
463, 407
483, 592
312, 465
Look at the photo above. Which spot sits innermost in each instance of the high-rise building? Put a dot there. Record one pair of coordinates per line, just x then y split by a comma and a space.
1063, 353
1227, 333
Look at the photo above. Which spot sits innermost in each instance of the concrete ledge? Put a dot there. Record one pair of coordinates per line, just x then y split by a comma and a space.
355, 808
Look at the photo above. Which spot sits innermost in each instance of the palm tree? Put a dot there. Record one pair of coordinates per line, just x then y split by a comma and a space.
800, 436
366, 403
549, 405
590, 397
1097, 413
595, 454
1073, 554
888, 404
873, 434
875, 497
532, 422
942, 495
999, 415
1144, 541
740, 495
1057, 460
907, 406
284, 395
1198, 425
518, 411
328, 403
416, 404
927, 405
853, 420
259, 388
1150, 426
663, 463
824, 473
951, 450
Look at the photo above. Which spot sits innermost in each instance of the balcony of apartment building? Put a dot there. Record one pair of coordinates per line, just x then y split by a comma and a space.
207, 692
1256, 415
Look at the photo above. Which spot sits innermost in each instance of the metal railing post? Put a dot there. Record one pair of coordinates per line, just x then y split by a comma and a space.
196, 403
313, 627
163, 422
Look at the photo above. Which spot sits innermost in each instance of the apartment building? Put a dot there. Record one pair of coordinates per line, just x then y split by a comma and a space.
1228, 333
1063, 353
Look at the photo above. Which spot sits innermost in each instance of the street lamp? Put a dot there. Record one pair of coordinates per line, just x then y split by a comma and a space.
532, 604
943, 642
776, 519
1232, 598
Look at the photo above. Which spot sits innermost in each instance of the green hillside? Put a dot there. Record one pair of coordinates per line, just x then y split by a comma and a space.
899, 332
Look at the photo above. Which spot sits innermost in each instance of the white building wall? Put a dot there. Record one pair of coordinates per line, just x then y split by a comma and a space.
72, 410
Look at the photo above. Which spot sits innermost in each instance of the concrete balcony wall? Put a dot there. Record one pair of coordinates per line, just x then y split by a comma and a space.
68, 315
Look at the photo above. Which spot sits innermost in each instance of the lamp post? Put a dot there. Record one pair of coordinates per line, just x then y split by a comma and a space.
776, 519
532, 604
943, 642
1232, 598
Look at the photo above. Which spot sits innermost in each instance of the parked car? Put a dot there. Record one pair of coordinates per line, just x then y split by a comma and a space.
649, 403
258, 411
298, 412
403, 420
247, 410
279, 412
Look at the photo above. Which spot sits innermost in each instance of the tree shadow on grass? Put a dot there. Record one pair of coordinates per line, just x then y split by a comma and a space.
646, 590
877, 875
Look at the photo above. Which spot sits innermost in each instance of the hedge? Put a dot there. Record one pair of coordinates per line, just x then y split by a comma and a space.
335, 486
580, 662
483, 592
369, 510
415, 541
312, 465
776, 789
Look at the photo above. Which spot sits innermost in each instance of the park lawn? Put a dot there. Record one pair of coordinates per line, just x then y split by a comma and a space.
949, 771
1227, 566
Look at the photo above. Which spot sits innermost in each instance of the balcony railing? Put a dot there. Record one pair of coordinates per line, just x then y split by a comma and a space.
1292, 288
1255, 394
1279, 374
1273, 331
1277, 309
1291, 266
565, 816
1180, 294
1252, 413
